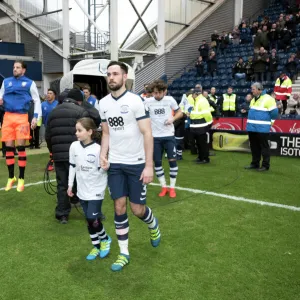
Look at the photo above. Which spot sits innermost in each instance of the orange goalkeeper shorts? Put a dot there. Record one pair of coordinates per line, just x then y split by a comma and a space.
15, 127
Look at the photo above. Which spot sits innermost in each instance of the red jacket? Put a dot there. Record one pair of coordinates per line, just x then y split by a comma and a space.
283, 91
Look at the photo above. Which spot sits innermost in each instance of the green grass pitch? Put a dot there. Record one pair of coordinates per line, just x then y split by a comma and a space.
211, 248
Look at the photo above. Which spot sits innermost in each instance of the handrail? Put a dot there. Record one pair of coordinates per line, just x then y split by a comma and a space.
182, 69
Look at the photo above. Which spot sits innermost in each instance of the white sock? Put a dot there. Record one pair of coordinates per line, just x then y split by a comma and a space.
123, 247
172, 182
162, 181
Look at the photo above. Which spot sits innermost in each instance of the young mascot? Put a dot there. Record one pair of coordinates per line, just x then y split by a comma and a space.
91, 183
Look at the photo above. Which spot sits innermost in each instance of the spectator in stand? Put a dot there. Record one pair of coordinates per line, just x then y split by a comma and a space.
273, 65
212, 64
285, 40
290, 24
249, 69
273, 37
257, 40
215, 40
245, 106
235, 36
291, 67
204, 50
223, 42
200, 66
283, 89
228, 103
264, 39
261, 60
254, 29
297, 18
245, 34
281, 22
239, 69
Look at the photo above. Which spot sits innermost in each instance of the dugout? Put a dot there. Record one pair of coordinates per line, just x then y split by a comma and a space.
92, 72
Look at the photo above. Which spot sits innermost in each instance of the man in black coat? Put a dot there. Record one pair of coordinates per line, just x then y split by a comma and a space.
76, 95
60, 134
204, 49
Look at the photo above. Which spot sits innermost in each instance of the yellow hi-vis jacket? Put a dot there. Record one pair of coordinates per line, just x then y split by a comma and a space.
201, 116
229, 102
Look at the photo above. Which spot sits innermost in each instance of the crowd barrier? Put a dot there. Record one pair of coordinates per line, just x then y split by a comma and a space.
229, 134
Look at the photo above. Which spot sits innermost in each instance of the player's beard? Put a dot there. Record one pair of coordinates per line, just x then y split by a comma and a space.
116, 87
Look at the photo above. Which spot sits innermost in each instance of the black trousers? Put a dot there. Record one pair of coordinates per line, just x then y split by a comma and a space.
63, 206
35, 136
202, 145
192, 142
259, 145
284, 106
229, 113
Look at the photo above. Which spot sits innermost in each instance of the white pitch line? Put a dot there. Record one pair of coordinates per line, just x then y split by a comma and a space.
235, 198
195, 191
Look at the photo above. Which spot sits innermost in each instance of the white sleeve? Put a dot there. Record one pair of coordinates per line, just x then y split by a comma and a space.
72, 168
36, 99
174, 104
140, 111
2, 90
101, 112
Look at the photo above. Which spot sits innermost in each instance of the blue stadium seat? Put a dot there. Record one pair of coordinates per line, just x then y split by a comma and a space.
206, 84
215, 83
224, 83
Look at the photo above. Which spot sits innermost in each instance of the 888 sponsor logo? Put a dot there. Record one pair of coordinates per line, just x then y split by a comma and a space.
116, 123
159, 111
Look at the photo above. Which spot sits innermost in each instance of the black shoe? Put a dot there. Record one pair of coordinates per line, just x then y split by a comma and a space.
202, 162
63, 220
31, 147
37, 147
251, 167
262, 169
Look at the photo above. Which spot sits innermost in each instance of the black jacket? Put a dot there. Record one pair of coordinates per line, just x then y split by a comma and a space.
203, 49
273, 63
60, 130
92, 111
239, 68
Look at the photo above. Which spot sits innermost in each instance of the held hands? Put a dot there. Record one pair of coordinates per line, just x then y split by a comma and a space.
33, 123
104, 163
1, 101
147, 175
69, 192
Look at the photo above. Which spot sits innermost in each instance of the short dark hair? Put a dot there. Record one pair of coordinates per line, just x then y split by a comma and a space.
53, 91
159, 84
23, 64
86, 87
120, 64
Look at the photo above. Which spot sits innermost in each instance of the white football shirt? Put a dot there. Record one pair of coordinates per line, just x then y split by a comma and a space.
160, 112
126, 142
85, 164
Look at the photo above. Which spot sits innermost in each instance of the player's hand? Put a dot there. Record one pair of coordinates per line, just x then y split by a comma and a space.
147, 175
1, 101
104, 163
69, 192
33, 123
169, 121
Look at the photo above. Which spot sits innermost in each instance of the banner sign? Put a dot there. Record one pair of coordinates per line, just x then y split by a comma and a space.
281, 144
239, 124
